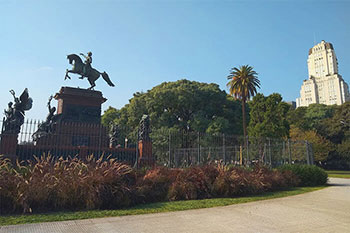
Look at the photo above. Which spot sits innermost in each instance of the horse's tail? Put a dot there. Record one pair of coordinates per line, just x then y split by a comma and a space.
106, 78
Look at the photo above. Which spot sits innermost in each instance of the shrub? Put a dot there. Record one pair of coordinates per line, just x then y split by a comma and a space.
8, 182
153, 186
309, 175
49, 184
191, 183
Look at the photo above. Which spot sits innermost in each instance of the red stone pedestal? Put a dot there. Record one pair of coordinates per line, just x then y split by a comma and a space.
145, 153
79, 105
8, 144
79, 124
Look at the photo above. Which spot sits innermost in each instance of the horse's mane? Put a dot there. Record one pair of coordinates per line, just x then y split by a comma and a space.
74, 57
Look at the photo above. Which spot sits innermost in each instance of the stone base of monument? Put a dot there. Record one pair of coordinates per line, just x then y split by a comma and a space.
8, 145
79, 105
78, 120
145, 153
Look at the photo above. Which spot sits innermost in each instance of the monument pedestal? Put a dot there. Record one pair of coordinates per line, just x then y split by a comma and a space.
79, 105
78, 120
145, 153
8, 144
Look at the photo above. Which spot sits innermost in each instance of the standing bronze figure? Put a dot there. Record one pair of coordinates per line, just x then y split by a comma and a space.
85, 69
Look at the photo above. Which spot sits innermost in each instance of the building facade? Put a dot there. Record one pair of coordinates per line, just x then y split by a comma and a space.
325, 85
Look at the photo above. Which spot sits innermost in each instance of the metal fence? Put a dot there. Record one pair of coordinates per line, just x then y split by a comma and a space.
67, 139
175, 149
169, 148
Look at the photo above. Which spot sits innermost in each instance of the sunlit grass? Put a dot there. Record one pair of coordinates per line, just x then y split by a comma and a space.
339, 174
150, 208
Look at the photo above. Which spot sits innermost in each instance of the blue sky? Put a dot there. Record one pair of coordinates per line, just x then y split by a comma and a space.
141, 44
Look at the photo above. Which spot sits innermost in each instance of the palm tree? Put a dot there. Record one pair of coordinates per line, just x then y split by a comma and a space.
242, 85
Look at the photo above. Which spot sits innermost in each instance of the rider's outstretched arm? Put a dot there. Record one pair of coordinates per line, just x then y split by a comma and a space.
83, 55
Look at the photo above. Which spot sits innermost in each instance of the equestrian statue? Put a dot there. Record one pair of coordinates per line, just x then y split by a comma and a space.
85, 69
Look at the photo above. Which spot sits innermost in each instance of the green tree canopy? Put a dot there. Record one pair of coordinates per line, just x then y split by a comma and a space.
311, 117
183, 106
268, 116
321, 146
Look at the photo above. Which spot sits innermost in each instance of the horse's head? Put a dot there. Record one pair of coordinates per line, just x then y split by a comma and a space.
70, 59
75, 58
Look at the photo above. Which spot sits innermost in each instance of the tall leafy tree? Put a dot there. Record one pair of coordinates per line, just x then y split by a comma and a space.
268, 116
243, 82
181, 106
320, 145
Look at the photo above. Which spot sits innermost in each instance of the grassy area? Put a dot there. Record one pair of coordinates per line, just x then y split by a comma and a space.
150, 208
339, 174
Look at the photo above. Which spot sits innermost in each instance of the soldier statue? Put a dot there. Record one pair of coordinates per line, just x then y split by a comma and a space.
113, 135
87, 67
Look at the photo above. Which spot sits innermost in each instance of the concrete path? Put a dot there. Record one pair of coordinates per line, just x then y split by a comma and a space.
326, 210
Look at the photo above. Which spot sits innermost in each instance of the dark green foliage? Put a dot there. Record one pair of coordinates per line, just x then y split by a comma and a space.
308, 175
182, 105
332, 124
311, 117
268, 116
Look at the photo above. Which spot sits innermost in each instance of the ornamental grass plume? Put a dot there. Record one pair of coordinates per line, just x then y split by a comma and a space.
154, 185
54, 184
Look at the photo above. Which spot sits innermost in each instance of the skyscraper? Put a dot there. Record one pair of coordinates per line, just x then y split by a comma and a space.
325, 85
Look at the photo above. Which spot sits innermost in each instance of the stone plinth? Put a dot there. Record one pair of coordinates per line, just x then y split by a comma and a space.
78, 120
8, 144
79, 105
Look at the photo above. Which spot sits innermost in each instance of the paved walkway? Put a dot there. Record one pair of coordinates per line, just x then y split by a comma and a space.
326, 210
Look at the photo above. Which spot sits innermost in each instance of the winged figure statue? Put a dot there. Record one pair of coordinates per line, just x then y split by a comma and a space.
14, 115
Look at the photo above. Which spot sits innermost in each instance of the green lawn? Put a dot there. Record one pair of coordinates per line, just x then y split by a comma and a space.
150, 208
339, 174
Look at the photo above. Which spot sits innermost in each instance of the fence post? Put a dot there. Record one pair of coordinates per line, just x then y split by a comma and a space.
240, 155
169, 145
247, 150
199, 149
311, 155
289, 152
223, 148
307, 152
264, 154
270, 157
137, 150
284, 151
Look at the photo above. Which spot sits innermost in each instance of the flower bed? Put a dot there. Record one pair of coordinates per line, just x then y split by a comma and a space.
72, 184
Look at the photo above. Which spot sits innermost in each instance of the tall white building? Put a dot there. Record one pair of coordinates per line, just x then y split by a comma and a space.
325, 85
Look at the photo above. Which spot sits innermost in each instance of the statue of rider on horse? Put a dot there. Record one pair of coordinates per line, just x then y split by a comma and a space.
85, 69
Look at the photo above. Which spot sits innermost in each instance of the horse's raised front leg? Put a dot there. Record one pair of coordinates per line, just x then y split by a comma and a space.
65, 77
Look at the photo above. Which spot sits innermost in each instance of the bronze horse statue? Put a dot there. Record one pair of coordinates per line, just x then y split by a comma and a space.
92, 75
